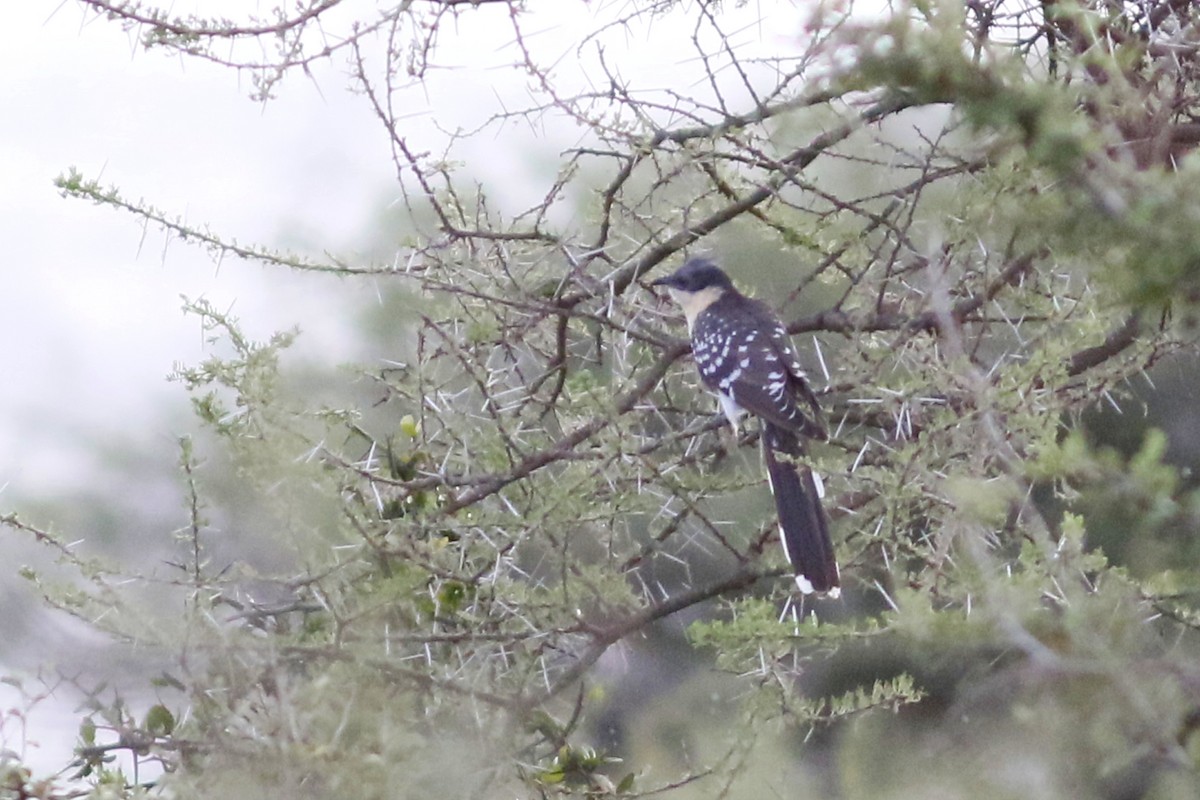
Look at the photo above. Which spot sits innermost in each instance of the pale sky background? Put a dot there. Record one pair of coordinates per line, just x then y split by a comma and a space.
90, 319
90, 315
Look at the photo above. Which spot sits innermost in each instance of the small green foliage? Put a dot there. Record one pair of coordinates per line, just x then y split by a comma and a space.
451, 596
581, 767
546, 726
985, 501
889, 695
409, 426
755, 625
251, 373
480, 332
87, 732
403, 462
627, 783
159, 721
584, 385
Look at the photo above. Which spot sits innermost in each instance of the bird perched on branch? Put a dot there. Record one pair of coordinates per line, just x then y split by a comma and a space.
745, 357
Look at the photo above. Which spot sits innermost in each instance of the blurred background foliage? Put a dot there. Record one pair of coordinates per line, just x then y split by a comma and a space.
513, 552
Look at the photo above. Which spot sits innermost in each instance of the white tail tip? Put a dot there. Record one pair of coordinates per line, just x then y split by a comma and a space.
805, 586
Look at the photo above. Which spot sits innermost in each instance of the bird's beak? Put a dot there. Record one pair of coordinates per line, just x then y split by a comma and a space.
663, 281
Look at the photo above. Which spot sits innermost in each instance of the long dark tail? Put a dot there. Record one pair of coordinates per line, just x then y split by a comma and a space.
802, 522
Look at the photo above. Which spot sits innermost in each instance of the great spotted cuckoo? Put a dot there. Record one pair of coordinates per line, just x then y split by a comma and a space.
745, 357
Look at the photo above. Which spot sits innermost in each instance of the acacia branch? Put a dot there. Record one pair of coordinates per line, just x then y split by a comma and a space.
790, 165
606, 637
157, 20
566, 445
837, 321
1116, 341
130, 12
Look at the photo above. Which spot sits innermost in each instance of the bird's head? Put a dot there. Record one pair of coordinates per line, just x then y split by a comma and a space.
695, 286
696, 275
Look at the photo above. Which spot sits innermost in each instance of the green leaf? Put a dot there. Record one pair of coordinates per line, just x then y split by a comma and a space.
626, 784
87, 732
159, 721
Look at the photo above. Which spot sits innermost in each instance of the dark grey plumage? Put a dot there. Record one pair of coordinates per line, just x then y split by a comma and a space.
745, 357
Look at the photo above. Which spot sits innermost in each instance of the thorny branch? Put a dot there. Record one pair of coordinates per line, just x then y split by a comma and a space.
560, 492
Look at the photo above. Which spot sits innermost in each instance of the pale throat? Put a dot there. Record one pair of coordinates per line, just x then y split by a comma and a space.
693, 303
